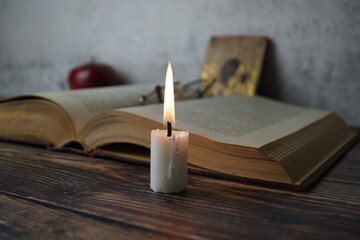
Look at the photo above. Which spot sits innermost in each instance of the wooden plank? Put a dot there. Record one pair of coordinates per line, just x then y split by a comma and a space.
332, 182
23, 219
210, 208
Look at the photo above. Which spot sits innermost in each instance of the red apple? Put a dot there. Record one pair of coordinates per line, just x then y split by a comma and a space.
93, 75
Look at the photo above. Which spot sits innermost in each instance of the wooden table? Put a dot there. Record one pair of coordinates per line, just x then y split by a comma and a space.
54, 195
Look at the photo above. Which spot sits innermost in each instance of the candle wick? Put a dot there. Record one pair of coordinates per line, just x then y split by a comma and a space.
169, 129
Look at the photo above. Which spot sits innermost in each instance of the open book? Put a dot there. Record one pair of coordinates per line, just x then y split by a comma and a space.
242, 136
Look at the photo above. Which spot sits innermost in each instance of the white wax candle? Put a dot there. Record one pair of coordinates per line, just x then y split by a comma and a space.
168, 167
169, 149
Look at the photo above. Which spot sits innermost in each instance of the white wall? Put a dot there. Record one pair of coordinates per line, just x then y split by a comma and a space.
314, 60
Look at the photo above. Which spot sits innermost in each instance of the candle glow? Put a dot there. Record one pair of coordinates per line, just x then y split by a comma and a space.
169, 105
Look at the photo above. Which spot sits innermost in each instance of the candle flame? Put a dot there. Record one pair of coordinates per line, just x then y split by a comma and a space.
169, 105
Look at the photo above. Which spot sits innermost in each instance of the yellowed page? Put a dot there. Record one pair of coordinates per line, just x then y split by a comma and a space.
82, 104
240, 120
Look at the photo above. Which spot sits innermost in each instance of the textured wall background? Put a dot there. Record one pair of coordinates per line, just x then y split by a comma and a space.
314, 59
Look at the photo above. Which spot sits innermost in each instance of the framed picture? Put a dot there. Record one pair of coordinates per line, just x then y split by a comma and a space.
233, 65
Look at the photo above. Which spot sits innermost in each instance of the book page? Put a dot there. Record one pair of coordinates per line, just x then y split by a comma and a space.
240, 120
82, 104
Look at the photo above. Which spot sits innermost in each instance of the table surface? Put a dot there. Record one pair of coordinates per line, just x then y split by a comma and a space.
54, 195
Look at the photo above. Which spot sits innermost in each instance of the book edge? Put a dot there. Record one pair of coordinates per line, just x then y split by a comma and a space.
306, 185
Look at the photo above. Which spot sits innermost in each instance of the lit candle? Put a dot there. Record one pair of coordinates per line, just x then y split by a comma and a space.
169, 148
